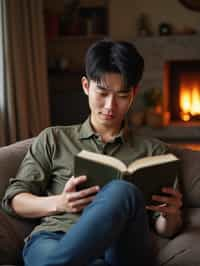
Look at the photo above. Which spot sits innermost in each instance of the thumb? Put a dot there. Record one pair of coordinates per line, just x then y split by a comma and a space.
70, 185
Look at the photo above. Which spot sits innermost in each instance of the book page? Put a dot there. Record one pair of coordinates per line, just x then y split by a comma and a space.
150, 161
103, 159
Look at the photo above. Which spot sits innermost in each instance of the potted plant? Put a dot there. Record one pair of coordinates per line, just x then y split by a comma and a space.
153, 103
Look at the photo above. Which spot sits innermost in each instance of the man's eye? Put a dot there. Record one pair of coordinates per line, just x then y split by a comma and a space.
123, 95
102, 93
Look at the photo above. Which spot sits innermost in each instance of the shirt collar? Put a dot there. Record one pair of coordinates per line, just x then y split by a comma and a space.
86, 132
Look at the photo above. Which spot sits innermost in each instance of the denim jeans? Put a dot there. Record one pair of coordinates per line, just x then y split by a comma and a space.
112, 231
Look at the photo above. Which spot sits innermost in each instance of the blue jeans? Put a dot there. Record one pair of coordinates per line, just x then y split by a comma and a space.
112, 230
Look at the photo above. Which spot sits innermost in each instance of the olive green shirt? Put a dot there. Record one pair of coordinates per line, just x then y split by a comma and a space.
48, 163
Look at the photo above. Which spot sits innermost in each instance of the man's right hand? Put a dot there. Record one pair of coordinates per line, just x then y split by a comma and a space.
33, 206
71, 200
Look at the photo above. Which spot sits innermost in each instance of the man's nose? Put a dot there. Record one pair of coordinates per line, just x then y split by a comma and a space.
110, 102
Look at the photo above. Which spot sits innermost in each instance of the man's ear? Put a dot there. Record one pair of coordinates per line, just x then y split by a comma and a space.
133, 92
132, 96
135, 89
85, 85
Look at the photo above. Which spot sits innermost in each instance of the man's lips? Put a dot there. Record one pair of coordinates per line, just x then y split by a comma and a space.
107, 116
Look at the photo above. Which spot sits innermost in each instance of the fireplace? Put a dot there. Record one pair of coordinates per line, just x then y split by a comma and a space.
182, 90
160, 54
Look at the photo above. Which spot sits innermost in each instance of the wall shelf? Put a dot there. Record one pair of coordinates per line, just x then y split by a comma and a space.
67, 41
73, 38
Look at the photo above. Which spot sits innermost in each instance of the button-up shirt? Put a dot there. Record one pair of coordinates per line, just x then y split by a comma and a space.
49, 163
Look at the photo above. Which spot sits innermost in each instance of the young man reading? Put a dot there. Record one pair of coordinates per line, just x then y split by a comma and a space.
93, 226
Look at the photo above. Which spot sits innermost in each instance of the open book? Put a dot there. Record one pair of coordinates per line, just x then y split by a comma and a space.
149, 174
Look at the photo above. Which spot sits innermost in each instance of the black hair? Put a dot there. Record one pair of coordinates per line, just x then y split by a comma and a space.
107, 56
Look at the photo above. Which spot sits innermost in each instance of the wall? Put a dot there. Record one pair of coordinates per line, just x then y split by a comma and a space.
124, 14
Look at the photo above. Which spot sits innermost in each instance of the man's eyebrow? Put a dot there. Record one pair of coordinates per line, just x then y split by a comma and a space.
101, 87
124, 91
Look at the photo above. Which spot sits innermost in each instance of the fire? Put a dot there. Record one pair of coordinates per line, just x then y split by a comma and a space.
189, 101
195, 103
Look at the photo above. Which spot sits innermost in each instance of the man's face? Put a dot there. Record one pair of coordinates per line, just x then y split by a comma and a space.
109, 101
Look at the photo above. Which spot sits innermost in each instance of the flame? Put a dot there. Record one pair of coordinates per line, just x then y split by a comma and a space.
185, 100
189, 101
195, 101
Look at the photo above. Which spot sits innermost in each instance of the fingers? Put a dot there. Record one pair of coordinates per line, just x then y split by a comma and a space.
171, 196
79, 205
73, 182
75, 201
170, 203
164, 209
168, 200
173, 192
84, 193
78, 200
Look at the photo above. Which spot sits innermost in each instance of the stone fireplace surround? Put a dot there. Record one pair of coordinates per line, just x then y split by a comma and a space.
157, 51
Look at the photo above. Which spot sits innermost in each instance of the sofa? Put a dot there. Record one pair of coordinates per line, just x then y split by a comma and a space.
181, 250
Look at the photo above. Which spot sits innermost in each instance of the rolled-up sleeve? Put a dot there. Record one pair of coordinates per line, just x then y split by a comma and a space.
34, 171
159, 147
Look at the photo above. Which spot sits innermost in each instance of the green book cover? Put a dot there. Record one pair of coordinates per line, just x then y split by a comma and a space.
149, 174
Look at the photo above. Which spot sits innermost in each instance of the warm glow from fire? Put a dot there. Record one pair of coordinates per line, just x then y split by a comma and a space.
189, 101
195, 101
185, 100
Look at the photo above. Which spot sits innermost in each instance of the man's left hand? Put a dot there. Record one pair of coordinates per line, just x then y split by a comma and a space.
169, 203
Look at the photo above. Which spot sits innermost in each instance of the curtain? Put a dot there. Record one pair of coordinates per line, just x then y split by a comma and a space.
24, 101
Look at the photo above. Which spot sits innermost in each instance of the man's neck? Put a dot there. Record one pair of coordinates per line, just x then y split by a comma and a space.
107, 137
107, 134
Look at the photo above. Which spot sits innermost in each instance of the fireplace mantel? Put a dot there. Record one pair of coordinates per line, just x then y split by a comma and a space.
161, 49
157, 52
175, 132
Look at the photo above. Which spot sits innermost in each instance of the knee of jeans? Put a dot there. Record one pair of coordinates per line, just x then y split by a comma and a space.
39, 256
38, 251
123, 189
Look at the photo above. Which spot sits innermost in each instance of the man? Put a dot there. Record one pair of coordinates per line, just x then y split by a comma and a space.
93, 226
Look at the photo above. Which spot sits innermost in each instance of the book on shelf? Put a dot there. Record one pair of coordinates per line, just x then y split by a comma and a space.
150, 174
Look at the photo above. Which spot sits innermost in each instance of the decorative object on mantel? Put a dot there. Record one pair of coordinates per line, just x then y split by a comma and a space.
191, 4
136, 118
143, 25
186, 30
152, 97
165, 29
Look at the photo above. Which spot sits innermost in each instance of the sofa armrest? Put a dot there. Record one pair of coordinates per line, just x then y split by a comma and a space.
13, 230
184, 248
10, 158
12, 234
190, 175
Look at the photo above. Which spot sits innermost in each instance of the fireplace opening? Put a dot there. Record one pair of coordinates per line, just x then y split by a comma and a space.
182, 90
